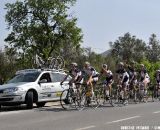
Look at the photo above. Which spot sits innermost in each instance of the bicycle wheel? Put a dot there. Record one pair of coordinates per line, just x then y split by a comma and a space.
83, 101
52, 62
95, 99
68, 100
114, 99
101, 98
135, 96
146, 95
87, 100
60, 62
120, 98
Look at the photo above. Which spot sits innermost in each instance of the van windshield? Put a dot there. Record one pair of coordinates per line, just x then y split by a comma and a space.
25, 77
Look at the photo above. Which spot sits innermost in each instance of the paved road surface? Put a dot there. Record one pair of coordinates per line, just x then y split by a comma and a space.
54, 117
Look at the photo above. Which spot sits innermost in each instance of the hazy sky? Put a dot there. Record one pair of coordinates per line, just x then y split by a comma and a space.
105, 20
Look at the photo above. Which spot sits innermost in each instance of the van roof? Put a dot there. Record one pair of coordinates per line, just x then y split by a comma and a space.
38, 70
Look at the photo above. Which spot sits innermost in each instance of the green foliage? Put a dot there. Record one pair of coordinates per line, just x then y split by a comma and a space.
7, 65
42, 27
153, 49
151, 68
128, 48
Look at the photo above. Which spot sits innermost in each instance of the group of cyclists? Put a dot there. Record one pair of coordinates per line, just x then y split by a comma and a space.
126, 77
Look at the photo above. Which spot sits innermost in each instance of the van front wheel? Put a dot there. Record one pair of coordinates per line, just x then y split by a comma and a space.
29, 100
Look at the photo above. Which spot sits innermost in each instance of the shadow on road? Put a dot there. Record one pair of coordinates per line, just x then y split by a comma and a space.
13, 108
58, 108
53, 108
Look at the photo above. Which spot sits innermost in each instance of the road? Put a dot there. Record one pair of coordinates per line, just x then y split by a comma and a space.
53, 117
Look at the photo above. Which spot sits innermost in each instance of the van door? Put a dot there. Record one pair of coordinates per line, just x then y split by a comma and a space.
45, 84
57, 88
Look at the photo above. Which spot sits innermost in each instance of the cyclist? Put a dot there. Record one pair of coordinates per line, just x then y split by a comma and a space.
75, 73
108, 81
90, 76
123, 77
158, 76
90, 73
144, 77
144, 80
132, 78
158, 83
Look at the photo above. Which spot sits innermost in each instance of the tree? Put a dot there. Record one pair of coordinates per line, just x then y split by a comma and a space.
153, 49
7, 65
42, 27
128, 48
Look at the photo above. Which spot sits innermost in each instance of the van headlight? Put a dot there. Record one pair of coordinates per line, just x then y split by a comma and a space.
12, 90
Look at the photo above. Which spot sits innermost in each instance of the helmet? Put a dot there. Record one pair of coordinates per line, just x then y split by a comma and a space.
104, 66
87, 63
121, 63
142, 65
132, 62
158, 70
74, 64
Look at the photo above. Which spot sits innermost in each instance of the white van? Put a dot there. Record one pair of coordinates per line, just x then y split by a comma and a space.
33, 86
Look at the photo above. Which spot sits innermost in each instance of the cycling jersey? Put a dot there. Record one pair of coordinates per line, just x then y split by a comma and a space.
123, 75
76, 73
109, 76
87, 72
132, 73
91, 71
144, 75
158, 78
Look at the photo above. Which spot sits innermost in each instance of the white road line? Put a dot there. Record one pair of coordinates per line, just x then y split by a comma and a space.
156, 112
129, 118
85, 128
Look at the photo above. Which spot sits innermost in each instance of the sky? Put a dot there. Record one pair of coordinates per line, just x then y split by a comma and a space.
103, 21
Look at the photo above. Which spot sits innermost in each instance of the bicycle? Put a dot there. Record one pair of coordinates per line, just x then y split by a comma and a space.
133, 91
70, 98
120, 97
87, 97
143, 94
57, 63
156, 92
50, 63
104, 96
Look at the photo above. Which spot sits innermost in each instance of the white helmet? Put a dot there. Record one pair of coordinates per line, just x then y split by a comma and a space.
87, 63
121, 63
142, 65
104, 66
74, 64
158, 71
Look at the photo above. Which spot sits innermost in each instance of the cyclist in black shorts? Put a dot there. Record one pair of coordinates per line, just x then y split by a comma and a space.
90, 77
132, 76
158, 76
108, 80
123, 78
75, 73
158, 83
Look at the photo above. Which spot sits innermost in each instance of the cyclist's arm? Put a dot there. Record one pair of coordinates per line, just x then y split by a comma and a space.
78, 76
64, 78
89, 81
132, 77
